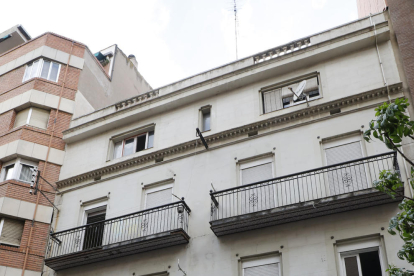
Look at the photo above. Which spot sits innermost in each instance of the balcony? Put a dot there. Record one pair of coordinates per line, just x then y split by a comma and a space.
314, 193
143, 231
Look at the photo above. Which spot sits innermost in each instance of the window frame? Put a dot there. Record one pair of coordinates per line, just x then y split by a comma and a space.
356, 247
286, 83
29, 115
147, 136
18, 164
202, 112
39, 70
254, 261
2, 220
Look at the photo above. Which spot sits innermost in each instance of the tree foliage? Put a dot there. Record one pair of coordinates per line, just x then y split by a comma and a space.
391, 125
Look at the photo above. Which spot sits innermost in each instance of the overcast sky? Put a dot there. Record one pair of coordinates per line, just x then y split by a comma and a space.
174, 39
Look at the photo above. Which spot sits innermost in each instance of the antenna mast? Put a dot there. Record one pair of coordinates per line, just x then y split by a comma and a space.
235, 25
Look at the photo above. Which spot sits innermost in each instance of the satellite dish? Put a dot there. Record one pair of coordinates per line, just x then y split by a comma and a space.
298, 92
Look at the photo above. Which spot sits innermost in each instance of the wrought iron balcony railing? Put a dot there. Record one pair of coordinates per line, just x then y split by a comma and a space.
309, 186
115, 233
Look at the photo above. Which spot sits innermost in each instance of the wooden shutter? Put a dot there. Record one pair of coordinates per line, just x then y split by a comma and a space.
21, 118
11, 232
39, 118
350, 178
262, 270
272, 100
158, 198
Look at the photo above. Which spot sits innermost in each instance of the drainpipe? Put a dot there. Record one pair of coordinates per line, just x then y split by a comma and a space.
46, 161
379, 58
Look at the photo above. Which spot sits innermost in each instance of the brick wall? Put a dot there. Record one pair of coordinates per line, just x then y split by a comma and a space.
10, 86
402, 18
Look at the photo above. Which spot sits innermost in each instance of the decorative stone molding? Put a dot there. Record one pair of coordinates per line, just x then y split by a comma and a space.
287, 48
233, 133
137, 100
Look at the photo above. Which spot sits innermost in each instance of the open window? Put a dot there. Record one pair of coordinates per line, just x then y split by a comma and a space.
280, 96
18, 169
133, 144
261, 266
361, 258
42, 68
11, 231
95, 226
32, 116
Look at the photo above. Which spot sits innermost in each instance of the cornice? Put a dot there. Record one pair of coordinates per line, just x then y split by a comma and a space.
232, 133
259, 60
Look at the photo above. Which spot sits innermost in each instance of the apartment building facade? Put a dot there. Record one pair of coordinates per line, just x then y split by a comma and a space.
44, 83
277, 185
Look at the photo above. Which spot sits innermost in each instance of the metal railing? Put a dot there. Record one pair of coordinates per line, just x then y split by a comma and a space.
144, 223
316, 184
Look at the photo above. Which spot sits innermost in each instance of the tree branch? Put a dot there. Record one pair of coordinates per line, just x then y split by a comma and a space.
396, 148
412, 137
409, 198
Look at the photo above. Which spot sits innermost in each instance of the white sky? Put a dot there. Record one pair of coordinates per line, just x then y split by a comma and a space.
174, 39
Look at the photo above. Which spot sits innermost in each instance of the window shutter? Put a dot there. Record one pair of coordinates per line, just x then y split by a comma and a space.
39, 118
257, 173
12, 231
272, 100
158, 198
347, 179
262, 270
118, 150
343, 153
21, 118
26, 173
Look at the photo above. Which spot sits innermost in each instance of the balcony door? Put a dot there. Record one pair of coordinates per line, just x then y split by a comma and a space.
161, 219
258, 197
348, 177
94, 229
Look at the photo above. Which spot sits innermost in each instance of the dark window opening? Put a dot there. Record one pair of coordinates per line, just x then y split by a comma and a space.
94, 229
286, 102
313, 94
141, 142
370, 264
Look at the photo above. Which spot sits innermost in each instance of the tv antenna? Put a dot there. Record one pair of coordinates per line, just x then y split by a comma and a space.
298, 92
235, 25
180, 269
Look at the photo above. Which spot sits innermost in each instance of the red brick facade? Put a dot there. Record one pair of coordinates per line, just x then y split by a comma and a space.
11, 85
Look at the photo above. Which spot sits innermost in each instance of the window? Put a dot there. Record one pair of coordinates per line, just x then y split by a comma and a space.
134, 144
11, 231
94, 232
282, 97
45, 69
158, 196
18, 169
348, 179
257, 170
361, 258
32, 116
262, 266
206, 118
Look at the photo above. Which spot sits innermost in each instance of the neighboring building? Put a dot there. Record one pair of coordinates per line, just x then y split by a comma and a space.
290, 182
44, 83
401, 13
367, 7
